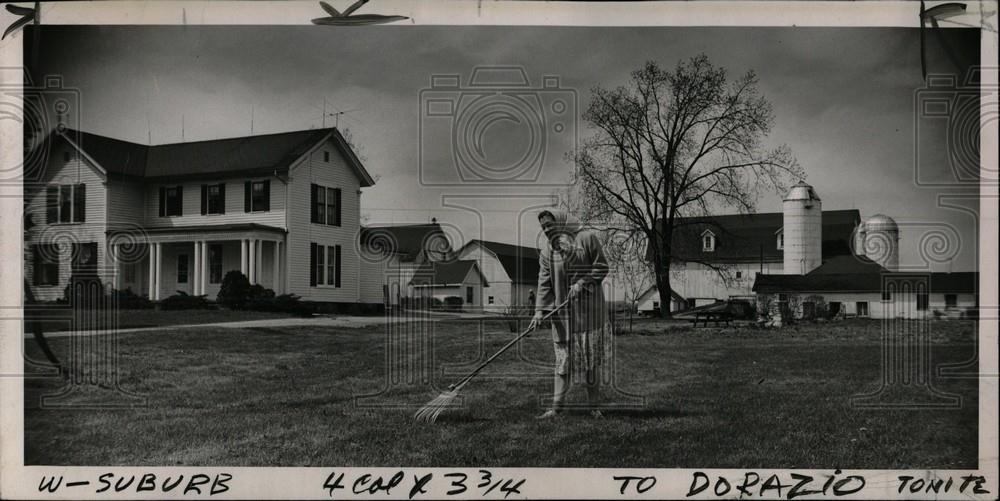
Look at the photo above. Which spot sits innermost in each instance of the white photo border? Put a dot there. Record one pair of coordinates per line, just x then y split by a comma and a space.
18, 481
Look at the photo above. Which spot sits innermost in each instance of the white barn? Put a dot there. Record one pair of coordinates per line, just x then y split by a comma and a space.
511, 271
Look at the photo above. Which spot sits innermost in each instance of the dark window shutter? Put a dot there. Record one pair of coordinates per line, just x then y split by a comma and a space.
52, 204
163, 201
247, 189
36, 265
204, 199
222, 198
80, 203
336, 267
312, 264
336, 193
314, 218
267, 195
180, 201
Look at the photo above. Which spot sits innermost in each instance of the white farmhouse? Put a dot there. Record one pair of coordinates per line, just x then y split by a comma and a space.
281, 208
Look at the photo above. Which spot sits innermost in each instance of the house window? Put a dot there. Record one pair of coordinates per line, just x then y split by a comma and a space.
171, 201
951, 300
469, 295
332, 265
781, 240
861, 307
326, 205
490, 299
84, 258
213, 198
215, 264
128, 273
656, 305
782, 297
739, 274
46, 264
886, 295
708, 242
66, 203
922, 301
257, 196
326, 156
182, 268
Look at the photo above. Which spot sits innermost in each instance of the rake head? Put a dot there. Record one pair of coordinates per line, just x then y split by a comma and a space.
429, 413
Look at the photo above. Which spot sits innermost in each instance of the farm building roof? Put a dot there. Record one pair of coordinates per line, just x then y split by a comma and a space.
408, 240
260, 154
869, 281
446, 273
520, 262
753, 237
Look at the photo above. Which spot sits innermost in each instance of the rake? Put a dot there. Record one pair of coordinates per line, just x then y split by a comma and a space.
430, 412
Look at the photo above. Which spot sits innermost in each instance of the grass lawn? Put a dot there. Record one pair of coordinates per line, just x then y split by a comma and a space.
727, 397
152, 318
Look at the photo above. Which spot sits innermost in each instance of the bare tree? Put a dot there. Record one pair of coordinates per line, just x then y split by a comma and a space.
674, 144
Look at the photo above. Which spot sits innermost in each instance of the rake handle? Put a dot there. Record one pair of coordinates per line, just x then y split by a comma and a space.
506, 347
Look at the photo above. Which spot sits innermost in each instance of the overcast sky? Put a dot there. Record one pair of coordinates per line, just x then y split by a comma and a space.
843, 101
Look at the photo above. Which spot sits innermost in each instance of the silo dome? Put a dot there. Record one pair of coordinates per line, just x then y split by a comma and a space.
801, 191
881, 241
881, 222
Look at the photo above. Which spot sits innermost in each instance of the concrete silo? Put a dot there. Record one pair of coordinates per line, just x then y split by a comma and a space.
882, 241
803, 230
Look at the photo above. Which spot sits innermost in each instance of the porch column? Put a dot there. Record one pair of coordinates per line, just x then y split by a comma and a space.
203, 266
277, 269
151, 259
159, 268
115, 254
243, 258
196, 272
252, 264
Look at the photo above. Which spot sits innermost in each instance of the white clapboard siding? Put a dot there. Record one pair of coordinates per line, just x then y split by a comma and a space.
333, 174
377, 271
59, 170
191, 207
126, 199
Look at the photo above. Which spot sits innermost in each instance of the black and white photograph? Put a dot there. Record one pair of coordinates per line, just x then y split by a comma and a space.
499, 250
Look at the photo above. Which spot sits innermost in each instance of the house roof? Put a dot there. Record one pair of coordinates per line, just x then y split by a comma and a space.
261, 154
446, 273
751, 237
652, 289
519, 262
408, 240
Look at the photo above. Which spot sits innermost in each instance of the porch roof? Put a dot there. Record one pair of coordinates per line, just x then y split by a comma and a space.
216, 231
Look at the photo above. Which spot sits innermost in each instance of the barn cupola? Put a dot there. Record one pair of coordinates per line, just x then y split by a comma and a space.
802, 216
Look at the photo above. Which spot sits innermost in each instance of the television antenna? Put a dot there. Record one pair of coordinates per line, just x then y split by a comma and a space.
336, 114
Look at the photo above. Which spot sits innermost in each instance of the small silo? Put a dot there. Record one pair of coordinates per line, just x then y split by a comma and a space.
803, 230
882, 241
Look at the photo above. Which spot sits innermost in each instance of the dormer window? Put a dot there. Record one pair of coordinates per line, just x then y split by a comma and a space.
708, 241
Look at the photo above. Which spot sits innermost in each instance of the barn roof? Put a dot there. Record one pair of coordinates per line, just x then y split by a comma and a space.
753, 237
407, 240
960, 282
245, 155
519, 262
446, 273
